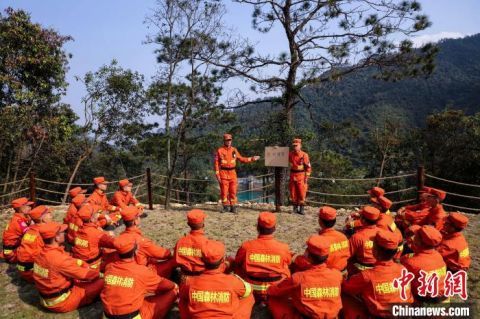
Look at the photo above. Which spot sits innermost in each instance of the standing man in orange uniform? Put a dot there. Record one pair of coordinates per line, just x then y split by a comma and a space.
215, 294
300, 170
123, 197
32, 242
18, 225
127, 283
264, 261
454, 247
225, 170
99, 199
313, 293
61, 279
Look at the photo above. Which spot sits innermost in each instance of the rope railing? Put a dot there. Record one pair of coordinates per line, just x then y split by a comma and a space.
361, 179
464, 196
255, 189
337, 195
84, 184
15, 192
452, 182
356, 205
13, 182
48, 201
462, 207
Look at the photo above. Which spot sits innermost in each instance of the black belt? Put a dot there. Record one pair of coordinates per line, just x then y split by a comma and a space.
126, 316
297, 171
10, 247
26, 266
56, 294
227, 168
94, 259
265, 279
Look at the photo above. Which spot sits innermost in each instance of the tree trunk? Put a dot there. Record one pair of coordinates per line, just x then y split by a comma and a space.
82, 158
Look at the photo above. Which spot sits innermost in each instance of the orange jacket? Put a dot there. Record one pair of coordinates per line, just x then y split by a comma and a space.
375, 286
71, 214
264, 257
30, 246
146, 248
315, 292
123, 199
127, 283
100, 200
88, 241
15, 229
213, 294
188, 251
361, 245
339, 248
436, 217
226, 161
428, 260
54, 269
455, 252
299, 164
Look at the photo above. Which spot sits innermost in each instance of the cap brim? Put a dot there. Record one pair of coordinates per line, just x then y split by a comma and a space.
29, 203
83, 191
63, 227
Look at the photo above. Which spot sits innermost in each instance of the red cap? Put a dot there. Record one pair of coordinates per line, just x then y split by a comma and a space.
412, 230
458, 220
297, 141
124, 243
213, 251
39, 211
76, 191
130, 213
438, 193
22, 201
382, 201
85, 212
227, 137
370, 213
79, 200
267, 219
376, 192
124, 182
430, 235
196, 216
317, 245
51, 229
327, 213
99, 180
386, 239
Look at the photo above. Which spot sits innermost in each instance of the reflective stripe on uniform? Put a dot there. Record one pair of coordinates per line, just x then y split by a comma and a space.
362, 267
248, 286
7, 251
55, 301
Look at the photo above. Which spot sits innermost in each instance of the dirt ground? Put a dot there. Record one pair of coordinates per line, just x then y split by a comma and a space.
20, 300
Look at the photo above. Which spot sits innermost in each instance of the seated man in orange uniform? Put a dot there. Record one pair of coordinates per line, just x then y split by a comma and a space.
188, 250
32, 242
127, 285
110, 213
90, 239
123, 197
64, 283
361, 243
72, 220
18, 225
148, 253
375, 286
73, 209
313, 293
454, 247
215, 294
263, 261
339, 244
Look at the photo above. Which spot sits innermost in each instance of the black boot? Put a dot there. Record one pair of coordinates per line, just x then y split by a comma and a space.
295, 209
143, 215
225, 209
233, 209
301, 211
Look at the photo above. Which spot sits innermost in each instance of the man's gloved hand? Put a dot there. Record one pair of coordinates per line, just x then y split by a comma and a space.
256, 158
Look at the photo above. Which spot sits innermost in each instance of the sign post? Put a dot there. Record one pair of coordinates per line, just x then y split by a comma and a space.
277, 157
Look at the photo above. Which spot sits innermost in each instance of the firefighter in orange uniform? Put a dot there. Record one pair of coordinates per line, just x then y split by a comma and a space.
375, 286
378, 200
313, 293
263, 261
409, 237
99, 199
426, 258
32, 242
188, 250
148, 253
123, 197
300, 170
454, 247
127, 283
72, 208
74, 223
339, 244
61, 279
18, 225
361, 243
225, 170
90, 239
215, 294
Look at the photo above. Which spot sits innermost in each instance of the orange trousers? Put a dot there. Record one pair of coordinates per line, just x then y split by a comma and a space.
157, 306
228, 191
282, 308
81, 294
353, 308
298, 188
165, 268
27, 275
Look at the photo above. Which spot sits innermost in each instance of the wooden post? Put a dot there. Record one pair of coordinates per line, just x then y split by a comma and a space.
149, 189
420, 180
264, 190
278, 188
33, 193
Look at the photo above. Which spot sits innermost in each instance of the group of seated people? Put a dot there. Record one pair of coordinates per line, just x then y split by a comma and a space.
348, 273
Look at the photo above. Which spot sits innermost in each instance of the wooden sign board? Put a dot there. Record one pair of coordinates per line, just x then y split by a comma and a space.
276, 156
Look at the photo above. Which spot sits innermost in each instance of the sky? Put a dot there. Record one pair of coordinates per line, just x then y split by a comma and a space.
114, 29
